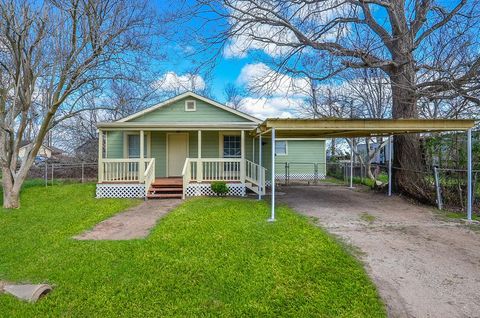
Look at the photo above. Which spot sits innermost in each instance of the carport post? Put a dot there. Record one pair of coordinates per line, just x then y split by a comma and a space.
469, 174
390, 154
260, 171
272, 217
351, 164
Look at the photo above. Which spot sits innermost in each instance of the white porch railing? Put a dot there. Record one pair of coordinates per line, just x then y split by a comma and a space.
125, 170
224, 169
149, 175
255, 174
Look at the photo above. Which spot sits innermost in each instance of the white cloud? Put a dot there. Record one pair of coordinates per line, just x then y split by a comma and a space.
172, 82
274, 107
274, 95
261, 79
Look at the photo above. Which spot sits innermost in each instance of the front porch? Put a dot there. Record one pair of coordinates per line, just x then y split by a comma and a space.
136, 178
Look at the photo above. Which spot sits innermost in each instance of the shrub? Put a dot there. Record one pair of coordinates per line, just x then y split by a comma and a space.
219, 188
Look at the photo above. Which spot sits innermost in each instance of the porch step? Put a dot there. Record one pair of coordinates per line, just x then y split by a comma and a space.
166, 188
164, 196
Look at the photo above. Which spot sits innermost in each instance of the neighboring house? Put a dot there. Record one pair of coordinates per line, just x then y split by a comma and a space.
178, 147
45, 152
382, 156
87, 151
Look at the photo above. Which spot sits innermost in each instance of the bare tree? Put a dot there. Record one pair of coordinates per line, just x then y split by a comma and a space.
52, 55
233, 96
326, 37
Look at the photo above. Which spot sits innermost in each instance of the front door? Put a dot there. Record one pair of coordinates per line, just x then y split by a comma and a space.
177, 153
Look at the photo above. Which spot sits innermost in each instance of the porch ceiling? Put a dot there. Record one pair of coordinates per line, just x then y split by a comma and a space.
346, 128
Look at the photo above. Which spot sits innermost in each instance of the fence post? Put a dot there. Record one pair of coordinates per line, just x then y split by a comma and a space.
46, 174
315, 173
437, 186
286, 172
52, 172
83, 170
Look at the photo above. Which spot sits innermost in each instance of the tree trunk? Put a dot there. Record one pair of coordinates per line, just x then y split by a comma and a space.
11, 190
407, 159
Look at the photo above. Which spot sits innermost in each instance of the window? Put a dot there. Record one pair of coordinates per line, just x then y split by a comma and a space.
190, 105
281, 147
232, 147
134, 146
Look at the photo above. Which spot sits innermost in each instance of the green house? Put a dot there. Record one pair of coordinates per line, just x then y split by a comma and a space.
182, 145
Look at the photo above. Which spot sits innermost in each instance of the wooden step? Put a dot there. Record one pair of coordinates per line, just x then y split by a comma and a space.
165, 189
165, 196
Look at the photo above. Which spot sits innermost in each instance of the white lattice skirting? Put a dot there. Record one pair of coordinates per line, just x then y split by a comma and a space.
296, 177
203, 189
120, 191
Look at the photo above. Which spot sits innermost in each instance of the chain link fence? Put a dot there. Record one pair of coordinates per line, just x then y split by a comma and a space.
75, 172
299, 172
451, 189
445, 188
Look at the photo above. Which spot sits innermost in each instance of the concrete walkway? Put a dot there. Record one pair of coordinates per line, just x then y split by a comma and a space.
134, 223
422, 265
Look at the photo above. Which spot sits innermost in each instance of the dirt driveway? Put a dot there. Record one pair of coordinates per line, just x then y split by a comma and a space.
423, 266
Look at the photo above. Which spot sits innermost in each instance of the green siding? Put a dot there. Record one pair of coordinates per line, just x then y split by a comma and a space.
114, 144
301, 154
175, 112
210, 146
158, 142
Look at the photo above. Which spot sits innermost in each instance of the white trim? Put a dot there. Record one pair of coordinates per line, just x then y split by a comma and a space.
189, 127
221, 134
166, 148
286, 148
194, 105
302, 139
189, 94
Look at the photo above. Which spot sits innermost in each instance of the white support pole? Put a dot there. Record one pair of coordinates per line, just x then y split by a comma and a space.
351, 163
100, 156
242, 155
261, 177
141, 165
272, 217
390, 155
469, 174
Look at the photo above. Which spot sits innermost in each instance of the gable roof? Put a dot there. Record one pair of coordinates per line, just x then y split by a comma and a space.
25, 143
194, 95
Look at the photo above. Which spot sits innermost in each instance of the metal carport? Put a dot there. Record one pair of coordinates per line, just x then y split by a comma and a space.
351, 128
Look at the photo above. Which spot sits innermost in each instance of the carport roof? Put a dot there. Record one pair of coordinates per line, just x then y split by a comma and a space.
345, 128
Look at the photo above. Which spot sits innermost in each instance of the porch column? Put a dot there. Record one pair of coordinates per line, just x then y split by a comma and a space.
260, 172
100, 155
242, 156
199, 155
272, 217
390, 154
141, 165
469, 174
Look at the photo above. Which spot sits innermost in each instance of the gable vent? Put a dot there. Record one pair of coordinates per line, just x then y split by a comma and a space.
190, 105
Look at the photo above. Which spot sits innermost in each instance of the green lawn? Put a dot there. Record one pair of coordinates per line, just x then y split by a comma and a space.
209, 257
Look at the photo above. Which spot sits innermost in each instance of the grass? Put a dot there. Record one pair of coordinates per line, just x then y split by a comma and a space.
209, 257
367, 217
357, 180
